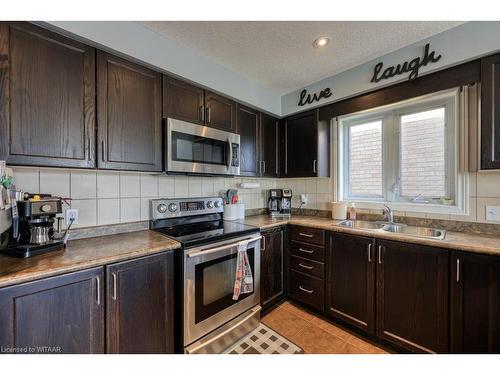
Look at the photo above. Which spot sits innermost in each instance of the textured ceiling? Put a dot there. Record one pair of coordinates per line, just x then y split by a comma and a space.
279, 55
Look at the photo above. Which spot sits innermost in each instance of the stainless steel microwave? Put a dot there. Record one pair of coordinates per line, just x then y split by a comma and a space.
197, 149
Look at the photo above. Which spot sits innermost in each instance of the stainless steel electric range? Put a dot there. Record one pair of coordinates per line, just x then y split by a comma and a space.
205, 273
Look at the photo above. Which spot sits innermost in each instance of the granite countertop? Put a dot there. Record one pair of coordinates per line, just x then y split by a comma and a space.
83, 254
476, 243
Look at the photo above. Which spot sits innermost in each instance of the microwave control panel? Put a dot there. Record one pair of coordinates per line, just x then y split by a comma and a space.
235, 160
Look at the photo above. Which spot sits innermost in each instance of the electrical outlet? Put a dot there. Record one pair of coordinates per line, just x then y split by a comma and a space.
303, 199
493, 213
71, 213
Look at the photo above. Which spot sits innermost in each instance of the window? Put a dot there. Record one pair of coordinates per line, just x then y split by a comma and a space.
405, 153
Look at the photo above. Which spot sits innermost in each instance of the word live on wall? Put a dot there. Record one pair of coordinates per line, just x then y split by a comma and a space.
412, 66
306, 98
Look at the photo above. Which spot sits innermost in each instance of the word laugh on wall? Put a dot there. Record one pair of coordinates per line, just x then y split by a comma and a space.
412, 66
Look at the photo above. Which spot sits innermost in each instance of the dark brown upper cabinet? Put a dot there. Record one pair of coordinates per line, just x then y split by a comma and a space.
306, 146
248, 128
65, 312
269, 141
190, 103
413, 296
350, 285
490, 112
475, 303
183, 101
140, 305
220, 112
47, 98
129, 116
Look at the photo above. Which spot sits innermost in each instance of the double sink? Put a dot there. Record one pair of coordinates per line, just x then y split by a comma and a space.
383, 226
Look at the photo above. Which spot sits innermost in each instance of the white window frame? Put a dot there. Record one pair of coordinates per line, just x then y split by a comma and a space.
456, 178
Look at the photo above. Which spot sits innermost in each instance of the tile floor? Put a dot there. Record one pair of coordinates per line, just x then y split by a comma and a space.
316, 335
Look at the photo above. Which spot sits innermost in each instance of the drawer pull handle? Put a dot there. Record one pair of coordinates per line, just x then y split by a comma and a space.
306, 235
306, 251
306, 290
306, 266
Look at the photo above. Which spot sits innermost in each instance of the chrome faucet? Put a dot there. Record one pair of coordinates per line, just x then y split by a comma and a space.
388, 214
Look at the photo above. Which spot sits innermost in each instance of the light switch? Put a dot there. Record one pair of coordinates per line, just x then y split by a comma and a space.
493, 213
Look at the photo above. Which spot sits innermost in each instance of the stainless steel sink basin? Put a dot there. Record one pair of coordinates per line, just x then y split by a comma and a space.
416, 231
394, 228
361, 224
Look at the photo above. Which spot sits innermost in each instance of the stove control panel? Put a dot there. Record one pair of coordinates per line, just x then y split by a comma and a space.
179, 207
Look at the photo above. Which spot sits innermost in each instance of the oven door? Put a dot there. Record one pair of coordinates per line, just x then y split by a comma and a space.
199, 149
209, 274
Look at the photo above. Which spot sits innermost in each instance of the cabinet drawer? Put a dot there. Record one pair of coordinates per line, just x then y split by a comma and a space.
308, 266
311, 252
309, 235
307, 289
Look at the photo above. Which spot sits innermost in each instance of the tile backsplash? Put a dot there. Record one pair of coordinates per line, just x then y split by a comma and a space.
111, 197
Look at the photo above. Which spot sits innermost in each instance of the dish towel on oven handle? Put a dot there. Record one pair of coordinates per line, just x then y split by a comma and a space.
243, 283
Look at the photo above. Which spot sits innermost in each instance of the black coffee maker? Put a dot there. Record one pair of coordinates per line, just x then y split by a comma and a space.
35, 231
279, 202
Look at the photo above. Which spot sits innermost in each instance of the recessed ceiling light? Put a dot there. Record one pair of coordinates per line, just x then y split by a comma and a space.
321, 41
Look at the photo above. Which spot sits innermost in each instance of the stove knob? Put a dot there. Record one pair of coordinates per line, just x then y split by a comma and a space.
172, 207
210, 204
217, 204
162, 208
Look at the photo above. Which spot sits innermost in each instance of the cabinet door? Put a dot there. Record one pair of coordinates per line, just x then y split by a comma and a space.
475, 303
140, 305
47, 98
183, 101
65, 313
350, 283
270, 145
271, 264
128, 115
220, 112
490, 112
412, 296
301, 145
248, 128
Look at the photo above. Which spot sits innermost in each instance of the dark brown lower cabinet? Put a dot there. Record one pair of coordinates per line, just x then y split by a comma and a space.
140, 305
350, 288
272, 268
413, 296
475, 303
61, 314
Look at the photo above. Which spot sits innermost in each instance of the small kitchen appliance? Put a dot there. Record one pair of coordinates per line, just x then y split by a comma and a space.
36, 233
208, 319
279, 202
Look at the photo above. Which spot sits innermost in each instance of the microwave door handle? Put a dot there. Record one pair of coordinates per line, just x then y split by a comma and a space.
229, 153
221, 248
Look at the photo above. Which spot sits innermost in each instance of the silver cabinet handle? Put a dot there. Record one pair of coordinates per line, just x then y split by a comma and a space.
306, 235
369, 253
263, 167
314, 165
208, 115
98, 287
458, 270
202, 113
306, 251
263, 243
113, 275
379, 254
305, 266
103, 151
306, 290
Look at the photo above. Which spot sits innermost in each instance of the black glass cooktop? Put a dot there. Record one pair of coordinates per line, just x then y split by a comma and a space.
193, 234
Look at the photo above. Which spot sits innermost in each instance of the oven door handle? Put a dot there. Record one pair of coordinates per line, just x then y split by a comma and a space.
221, 248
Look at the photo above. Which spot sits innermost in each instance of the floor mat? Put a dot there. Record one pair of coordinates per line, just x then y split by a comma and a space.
263, 340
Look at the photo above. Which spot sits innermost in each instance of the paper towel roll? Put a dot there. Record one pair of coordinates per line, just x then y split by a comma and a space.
339, 210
